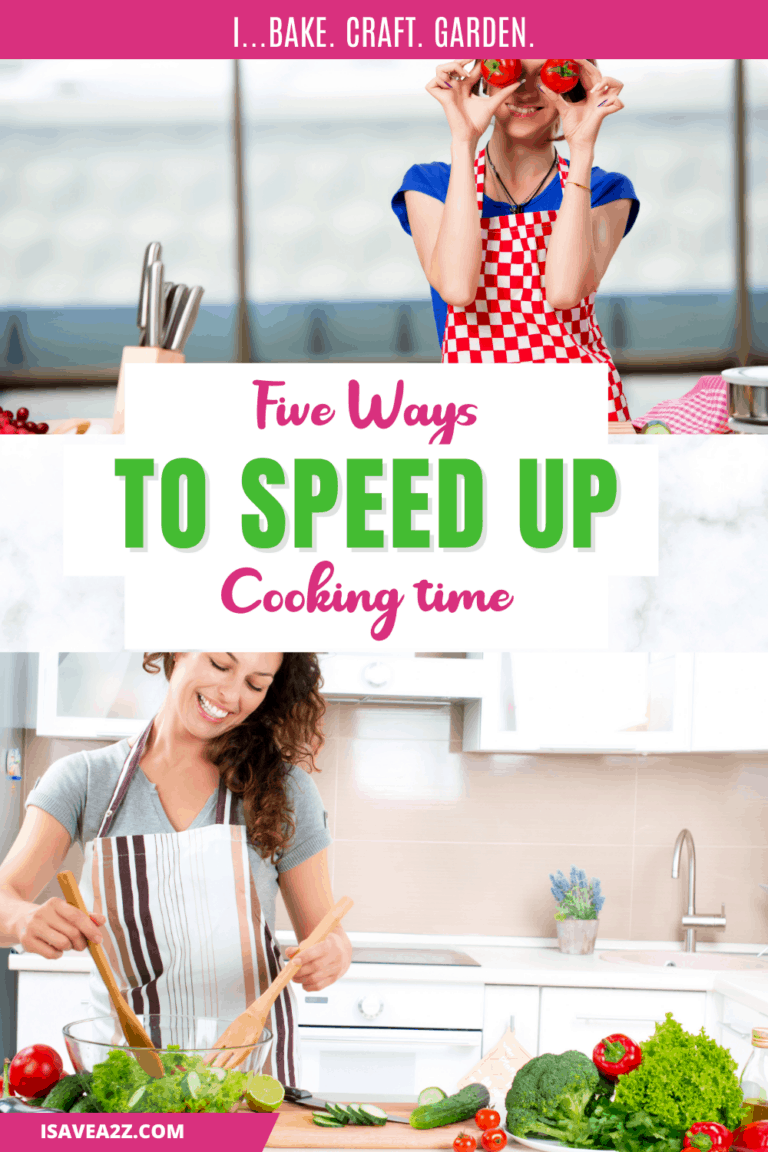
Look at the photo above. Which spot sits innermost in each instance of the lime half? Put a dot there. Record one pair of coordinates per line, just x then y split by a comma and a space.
431, 1096
263, 1093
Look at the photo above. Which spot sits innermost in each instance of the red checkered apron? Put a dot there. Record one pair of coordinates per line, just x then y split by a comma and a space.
510, 321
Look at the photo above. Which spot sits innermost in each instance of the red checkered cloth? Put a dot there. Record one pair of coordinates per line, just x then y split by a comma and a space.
701, 411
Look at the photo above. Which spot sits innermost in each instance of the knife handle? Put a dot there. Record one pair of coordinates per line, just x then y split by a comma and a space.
294, 1094
154, 304
152, 252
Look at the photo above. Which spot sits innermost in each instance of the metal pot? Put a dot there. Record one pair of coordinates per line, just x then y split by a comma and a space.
747, 390
577, 937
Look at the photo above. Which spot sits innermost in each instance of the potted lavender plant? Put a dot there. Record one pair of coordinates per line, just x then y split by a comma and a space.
579, 901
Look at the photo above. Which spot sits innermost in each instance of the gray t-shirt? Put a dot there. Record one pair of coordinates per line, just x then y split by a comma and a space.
77, 789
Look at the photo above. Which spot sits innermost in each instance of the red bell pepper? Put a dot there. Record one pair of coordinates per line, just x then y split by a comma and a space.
753, 1136
615, 1055
707, 1135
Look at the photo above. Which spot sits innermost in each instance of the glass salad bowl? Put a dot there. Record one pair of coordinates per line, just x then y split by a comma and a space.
89, 1042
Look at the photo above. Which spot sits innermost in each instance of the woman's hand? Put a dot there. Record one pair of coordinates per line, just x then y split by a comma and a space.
468, 116
55, 927
323, 963
581, 122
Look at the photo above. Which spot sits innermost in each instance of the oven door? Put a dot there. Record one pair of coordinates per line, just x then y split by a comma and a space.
371, 1064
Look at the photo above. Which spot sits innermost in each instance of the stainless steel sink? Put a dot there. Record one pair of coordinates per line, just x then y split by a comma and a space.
719, 961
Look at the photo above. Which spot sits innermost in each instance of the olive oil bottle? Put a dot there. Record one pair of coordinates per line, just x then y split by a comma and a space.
754, 1078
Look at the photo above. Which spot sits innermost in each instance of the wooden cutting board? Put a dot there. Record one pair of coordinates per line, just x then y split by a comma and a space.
296, 1129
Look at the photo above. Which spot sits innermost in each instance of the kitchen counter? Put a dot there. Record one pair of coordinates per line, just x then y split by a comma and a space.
511, 965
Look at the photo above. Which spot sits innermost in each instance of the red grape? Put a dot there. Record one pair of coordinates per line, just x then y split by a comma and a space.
22, 414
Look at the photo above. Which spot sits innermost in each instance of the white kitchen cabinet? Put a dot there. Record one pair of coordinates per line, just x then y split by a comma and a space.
46, 1002
580, 1017
581, 702
505, 1002
735, 1024
730, 691
107, 695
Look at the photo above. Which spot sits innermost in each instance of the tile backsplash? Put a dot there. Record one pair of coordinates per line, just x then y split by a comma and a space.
428, 838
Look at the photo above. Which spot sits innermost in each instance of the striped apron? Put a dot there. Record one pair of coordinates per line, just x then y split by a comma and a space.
185, 935
510, 321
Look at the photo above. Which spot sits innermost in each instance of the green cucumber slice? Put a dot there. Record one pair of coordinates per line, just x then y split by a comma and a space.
325, 1120
431, 1096
373, 1114
358, 1116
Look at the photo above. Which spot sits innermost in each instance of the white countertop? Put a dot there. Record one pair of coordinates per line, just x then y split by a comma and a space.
524, 965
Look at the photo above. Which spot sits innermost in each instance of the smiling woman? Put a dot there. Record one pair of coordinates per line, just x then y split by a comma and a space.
188, 833
515, 241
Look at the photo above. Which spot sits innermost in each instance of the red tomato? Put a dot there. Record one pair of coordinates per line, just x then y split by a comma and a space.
493, 1140
501, 73
464, 1143
754, 1135
487, 1118
560, 75
35, 1070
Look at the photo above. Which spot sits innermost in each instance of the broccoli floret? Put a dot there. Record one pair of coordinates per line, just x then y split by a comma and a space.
553, 1094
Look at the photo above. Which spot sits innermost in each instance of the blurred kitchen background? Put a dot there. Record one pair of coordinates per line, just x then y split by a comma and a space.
100, 157
455, 783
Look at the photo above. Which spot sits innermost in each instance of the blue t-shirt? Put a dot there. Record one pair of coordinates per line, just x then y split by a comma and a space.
433, 180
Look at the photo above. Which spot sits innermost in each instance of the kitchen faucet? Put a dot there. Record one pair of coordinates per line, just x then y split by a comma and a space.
691, 921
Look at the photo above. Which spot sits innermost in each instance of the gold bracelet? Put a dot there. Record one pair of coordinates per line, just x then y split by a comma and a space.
569, 181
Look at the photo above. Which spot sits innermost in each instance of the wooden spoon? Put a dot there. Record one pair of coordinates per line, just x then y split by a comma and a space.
144, 1050
244, 1032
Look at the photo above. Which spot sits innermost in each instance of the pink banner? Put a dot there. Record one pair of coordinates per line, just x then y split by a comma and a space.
198, 1132
175, 30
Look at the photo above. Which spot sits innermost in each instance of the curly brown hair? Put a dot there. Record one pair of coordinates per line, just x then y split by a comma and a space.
255, 758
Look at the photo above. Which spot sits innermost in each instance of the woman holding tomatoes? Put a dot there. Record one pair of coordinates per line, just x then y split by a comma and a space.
515, 241
188, 834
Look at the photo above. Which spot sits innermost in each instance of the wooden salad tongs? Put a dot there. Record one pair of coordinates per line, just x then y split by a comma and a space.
244, 1032
138, 1040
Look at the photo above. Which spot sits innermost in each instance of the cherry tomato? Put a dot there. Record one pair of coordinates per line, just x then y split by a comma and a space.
35, 1070
22, 414
487, 1118
493, 1140
560, 75
42, 428
464, 1143
501, 73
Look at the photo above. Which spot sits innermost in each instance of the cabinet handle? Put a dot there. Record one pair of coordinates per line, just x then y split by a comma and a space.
736, 1031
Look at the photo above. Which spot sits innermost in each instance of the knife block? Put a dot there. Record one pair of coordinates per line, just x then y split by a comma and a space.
137, 355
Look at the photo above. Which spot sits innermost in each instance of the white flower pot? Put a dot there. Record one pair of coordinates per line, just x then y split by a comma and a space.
577, 937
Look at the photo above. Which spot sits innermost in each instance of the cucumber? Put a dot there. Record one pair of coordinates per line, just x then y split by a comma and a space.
452, 1110
373, 1114
358, 1116
338, 1111
68, 1091
88, 1103
325, 1120
431, 1096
